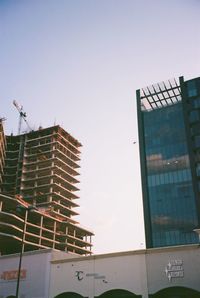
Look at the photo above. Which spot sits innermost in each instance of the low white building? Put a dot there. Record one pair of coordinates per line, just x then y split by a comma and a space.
35, 274
157, 273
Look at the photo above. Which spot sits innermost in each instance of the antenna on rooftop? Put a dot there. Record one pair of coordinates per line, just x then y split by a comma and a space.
22, 115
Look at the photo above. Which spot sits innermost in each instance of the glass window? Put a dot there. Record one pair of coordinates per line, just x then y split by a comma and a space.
162, 180
197, 141
168, 170
150, 181
198, 169
194, 116
196, 103
195, 129
191, 88
170, 178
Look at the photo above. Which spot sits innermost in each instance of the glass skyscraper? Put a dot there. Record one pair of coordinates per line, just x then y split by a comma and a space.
169, 137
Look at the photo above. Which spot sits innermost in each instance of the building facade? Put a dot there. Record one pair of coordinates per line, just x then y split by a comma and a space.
40, 169
171, 272
169, 137
2, 151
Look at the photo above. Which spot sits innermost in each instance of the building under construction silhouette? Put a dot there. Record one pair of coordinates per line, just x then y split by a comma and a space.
40, 169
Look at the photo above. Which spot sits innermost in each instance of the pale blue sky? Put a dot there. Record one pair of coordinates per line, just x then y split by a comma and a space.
78, 63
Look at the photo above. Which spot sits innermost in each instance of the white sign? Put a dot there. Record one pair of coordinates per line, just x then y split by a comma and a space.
174, 269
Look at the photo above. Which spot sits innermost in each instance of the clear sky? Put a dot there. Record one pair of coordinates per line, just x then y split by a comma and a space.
77, 63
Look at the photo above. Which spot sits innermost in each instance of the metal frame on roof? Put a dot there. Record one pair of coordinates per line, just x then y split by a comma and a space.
160, 95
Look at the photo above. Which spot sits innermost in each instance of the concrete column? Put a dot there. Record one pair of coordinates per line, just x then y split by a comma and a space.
41, 225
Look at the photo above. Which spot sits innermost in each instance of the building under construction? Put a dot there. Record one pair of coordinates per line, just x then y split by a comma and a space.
38, 184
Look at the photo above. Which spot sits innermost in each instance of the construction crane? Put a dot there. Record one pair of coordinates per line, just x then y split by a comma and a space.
22, 115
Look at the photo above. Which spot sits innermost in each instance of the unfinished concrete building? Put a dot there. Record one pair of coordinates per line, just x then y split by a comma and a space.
40, 169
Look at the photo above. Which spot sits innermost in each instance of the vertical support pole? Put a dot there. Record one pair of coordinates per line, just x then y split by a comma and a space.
41, 225
54, 234
20, 256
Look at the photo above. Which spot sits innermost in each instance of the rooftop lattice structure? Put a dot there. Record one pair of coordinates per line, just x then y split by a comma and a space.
159, 95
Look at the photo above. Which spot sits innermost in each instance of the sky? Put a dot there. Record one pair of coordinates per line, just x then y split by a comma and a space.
78, 63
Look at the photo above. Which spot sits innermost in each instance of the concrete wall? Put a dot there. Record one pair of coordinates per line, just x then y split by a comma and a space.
181, 262
36, 282
141, 272
113, 271
145, 272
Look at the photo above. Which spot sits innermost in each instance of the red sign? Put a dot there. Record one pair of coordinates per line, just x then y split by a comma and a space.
13, 274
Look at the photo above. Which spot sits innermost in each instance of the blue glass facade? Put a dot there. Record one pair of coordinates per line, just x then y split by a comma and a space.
169, 139
172, 209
